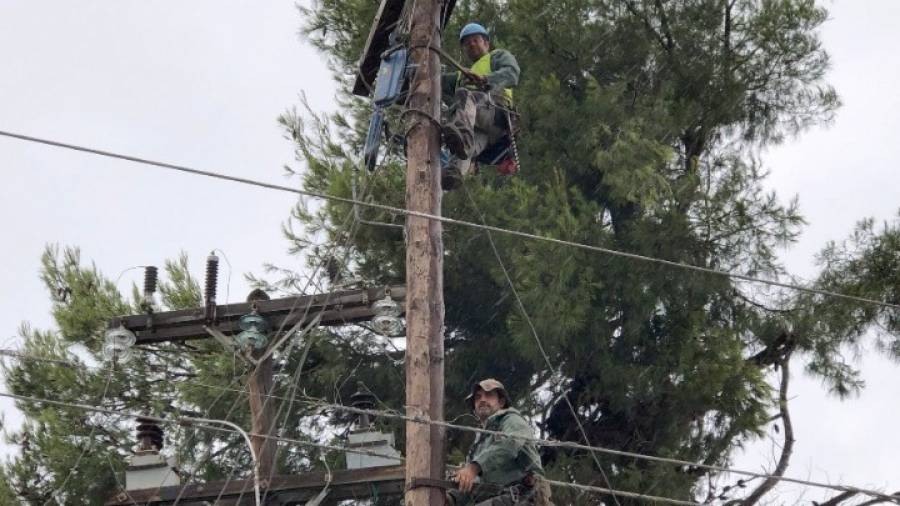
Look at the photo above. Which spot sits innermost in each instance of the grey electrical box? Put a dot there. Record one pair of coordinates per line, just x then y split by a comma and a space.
150, 470
373, 442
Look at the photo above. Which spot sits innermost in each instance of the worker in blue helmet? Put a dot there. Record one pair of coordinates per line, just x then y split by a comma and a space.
478, 101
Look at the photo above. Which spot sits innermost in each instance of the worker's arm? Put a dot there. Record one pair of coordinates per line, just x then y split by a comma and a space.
504, 70
502, 452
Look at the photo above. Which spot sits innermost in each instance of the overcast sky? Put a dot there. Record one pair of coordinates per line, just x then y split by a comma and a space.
201, 83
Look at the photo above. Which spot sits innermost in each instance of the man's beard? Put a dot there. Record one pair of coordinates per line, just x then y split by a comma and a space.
483, 411
473, 57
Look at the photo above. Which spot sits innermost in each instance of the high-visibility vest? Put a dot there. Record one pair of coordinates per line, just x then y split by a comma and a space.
482, 67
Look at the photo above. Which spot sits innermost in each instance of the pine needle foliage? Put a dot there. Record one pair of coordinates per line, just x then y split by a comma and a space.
643, 121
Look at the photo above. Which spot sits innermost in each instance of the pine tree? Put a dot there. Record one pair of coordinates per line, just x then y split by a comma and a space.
642, 125
642, 122
72, 456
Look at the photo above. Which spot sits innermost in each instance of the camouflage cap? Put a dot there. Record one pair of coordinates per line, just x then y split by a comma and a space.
488, 385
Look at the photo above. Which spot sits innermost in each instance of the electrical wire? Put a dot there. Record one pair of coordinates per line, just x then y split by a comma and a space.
253, 454
87, 448
537, 339
500, 230
453, 221
184, 420
601, 449
322, 403
209, 455
350, 226
204, 423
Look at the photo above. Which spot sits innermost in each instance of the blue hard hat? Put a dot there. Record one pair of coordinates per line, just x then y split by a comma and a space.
473, 29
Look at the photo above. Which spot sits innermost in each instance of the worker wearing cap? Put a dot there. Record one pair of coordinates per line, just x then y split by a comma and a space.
478, 98
511, 463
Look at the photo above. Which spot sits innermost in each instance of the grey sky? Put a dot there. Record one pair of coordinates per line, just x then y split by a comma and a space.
200, 83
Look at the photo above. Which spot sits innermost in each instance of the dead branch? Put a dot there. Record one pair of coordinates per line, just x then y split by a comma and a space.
788, 447
879, 500
834, 501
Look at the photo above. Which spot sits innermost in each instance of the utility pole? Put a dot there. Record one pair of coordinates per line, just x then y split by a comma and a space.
272, 318
262, 411
424, 261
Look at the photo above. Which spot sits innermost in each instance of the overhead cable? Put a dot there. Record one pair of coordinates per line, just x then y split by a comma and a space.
453, 221
540, 344
204, 423
600, 449
187, 421
87, 448
323, 403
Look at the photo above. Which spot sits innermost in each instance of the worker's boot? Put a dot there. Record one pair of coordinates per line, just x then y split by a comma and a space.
453, 172
451, 175
450, 178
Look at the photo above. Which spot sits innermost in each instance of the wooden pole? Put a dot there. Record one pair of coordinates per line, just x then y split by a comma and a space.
424, 261
263, 417
262, 410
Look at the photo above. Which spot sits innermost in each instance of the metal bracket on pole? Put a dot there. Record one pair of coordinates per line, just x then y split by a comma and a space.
223, 339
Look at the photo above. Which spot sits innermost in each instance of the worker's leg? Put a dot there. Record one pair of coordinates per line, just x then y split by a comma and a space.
459, 131
458, 168
473, 126
473, 123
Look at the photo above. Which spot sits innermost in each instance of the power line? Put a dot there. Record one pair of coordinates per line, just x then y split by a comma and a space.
351, 227
620, 493
203, 423
87, 448
453, 221
323, 403
187, 421
526, 235
312, 401
600, 449
540, 345
184, 420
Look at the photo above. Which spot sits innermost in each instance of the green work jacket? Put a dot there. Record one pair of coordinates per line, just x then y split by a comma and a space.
503, 460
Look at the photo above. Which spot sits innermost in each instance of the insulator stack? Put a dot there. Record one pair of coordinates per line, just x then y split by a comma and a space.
149, 435
150, 277
363, 399
212, 276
